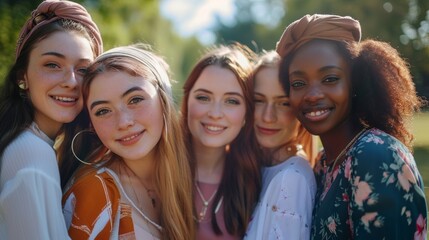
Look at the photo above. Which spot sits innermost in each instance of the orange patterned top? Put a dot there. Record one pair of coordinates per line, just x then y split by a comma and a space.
93, 208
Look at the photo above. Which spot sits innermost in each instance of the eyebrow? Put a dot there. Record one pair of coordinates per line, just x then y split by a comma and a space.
56, 54
322, 69
133, 89
227, 93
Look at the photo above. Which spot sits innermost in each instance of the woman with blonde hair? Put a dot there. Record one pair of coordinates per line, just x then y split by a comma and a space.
137, 183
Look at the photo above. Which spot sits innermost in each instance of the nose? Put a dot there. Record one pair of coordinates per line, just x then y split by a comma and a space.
269, 114
125, 119
313, 94
216, 111
71, 79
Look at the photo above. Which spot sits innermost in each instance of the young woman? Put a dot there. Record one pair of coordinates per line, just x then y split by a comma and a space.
288, 184
357, 96
138, 185
40, 96
218, 119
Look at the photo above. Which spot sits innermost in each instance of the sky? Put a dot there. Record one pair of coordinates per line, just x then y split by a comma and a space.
197, 17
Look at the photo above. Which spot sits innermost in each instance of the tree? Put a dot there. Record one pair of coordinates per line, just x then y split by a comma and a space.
404, 24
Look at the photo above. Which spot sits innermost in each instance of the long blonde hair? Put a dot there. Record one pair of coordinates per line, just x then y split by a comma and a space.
172, 172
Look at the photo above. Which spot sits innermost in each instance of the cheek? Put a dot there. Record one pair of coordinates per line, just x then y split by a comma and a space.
236, 116
195, 110
103, 128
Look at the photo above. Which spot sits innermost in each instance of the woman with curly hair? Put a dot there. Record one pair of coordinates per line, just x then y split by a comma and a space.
358, 97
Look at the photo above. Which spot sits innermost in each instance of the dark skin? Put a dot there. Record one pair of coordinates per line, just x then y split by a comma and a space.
321, 94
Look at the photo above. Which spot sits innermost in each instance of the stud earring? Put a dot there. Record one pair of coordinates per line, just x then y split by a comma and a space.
22, 85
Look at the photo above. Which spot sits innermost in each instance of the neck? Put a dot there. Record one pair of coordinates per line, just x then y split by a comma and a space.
210, 162
143, 169
336, 140
283, 153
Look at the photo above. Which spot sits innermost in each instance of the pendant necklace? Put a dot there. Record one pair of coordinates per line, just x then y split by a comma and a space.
206, 203
342, 152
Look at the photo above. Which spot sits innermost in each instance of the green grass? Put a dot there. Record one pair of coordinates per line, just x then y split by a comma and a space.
420, 127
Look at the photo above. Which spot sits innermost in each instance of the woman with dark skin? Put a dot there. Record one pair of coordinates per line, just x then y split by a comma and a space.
357, 96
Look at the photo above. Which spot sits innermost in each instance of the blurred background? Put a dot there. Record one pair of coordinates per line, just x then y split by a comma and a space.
180, 30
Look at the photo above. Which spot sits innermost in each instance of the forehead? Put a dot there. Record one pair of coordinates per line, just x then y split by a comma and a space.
317, 54
70, 44
218, 80
114, 83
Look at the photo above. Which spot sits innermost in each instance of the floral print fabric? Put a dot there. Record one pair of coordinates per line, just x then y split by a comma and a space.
376, 193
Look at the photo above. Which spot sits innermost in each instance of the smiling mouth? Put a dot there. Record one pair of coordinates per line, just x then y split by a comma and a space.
317, 113
213, 128
64, 99
129, 138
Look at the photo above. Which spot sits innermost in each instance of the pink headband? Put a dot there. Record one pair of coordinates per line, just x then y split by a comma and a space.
318, 26
51, 10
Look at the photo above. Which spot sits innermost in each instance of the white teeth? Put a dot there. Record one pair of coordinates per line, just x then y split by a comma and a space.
64, 99
317, 113
214, 128
129, 138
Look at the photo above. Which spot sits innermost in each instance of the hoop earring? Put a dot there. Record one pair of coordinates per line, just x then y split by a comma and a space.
72, 148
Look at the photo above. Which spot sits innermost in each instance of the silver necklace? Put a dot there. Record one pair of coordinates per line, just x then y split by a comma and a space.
206, 203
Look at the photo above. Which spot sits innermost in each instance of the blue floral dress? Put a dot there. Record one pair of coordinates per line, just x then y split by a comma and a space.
376, 193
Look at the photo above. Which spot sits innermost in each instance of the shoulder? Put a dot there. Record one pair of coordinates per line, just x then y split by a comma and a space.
296, 172
28, 151
376, 147
93, 181
94, 184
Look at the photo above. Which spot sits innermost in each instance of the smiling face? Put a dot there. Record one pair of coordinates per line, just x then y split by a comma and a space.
275, 122
126, 113
216, 108
54, 77
320, 87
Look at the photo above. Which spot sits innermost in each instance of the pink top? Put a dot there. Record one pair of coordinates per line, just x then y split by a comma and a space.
204, 230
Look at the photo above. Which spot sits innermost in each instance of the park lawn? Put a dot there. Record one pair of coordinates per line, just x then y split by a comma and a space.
421, 150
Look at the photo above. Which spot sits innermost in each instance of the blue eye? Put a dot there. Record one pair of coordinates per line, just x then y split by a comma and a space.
232, 101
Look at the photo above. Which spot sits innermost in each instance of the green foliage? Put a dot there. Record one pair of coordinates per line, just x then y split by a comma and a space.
12, 17
381, 20
120, 22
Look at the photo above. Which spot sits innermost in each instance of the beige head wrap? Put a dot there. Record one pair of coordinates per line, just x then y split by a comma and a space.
145, 57
318, 26
51, 10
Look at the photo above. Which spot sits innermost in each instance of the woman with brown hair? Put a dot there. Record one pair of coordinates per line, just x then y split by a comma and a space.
39, 101
288, 184
218, 121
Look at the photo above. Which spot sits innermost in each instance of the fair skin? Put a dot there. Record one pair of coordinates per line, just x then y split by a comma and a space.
321, 94
216, 116
275, 122
126, 114
54, 76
